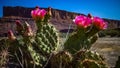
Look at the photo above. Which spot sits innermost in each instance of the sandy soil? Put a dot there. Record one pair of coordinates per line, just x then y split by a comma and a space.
109, 48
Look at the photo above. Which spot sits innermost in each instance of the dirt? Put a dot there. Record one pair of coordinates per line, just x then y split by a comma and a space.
109, 48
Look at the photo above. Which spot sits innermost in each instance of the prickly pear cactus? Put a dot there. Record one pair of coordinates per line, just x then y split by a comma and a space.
79, 40
41, 49
82, 59
46, 41
87, 63
37, 58
88, 59
47, 38
62, 59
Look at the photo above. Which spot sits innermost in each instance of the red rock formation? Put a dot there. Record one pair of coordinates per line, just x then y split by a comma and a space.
60, 18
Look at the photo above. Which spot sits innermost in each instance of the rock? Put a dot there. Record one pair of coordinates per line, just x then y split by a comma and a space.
60, 19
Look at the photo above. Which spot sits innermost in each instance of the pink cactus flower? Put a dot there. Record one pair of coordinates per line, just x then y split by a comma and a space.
38, 14
11, 35
99, 23
82, 21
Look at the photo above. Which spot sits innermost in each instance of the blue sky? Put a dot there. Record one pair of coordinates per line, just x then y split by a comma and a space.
102, 8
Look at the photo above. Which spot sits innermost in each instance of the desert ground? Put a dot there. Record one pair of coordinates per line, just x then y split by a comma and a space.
109, 48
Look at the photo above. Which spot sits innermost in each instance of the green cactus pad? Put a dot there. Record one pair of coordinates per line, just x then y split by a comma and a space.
79, 40
89, 59
47, 38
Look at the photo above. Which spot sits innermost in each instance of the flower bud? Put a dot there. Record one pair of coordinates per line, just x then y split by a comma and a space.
49, 11
28, 30
11, 35
19, 26
89, 15
37, 7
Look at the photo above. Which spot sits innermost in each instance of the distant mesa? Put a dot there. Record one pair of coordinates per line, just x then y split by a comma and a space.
61, 19
25, 12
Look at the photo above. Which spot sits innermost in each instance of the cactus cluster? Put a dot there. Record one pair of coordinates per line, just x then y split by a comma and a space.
34, 48
85, 34
76, 53
82, 59
89, 59
40, 49
61, 59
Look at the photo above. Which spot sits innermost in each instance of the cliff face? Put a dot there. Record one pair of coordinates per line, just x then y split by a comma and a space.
25, 12
113, 23
7, 23
60, 19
